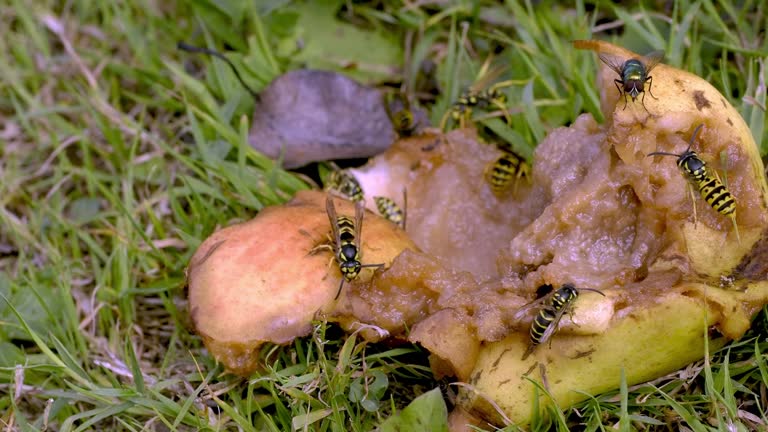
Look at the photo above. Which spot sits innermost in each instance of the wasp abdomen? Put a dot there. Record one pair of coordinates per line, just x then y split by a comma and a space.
346, 184
502, 172
389, 210
541, 323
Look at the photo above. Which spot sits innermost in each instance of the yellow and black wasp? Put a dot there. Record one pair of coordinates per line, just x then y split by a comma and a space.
710, 187
508, 168
461, 110
481, 96
345, 184
346, 241
401, 116
553, 307
633, 74
389, 209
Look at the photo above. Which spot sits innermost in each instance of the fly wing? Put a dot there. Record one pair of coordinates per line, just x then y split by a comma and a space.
331, 209
651, 59
612, 61
359, 211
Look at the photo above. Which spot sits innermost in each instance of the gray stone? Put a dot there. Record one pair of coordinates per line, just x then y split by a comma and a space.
312, 115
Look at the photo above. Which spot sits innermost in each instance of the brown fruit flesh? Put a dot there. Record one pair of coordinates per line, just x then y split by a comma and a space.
257, 281
599, 214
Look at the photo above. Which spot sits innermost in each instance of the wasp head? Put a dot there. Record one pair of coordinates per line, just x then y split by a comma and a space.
567, 292
350, 269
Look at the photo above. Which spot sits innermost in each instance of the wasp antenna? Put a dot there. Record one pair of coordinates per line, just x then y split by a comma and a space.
593, 290
183, 46
663, 154
696, 132
693, 137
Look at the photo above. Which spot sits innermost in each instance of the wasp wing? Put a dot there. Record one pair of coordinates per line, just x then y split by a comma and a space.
486, 77
526, 308
331, 209
553, 325
359, 211
614, 62
651, 59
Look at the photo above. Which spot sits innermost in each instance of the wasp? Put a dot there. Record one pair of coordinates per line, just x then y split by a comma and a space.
346, 241
710, 187
345, 184
389, 210
404, 123
402, 117
481, 96
633, 74
547, 321
461, 110
506, 169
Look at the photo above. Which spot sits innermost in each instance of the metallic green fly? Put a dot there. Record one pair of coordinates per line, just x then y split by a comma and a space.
633, 74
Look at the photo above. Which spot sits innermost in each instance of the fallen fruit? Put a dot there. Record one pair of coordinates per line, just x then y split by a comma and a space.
598, 213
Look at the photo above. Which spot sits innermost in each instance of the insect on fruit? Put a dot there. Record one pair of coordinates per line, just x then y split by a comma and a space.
633, 74
345, 184
401, 117
710, 187
553, 307
505, 170
389, 210
346, 241
404, 123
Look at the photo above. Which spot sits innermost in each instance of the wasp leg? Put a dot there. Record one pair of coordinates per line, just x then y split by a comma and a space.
504, 110
570, 317
444, 120
318, 248
466, 117
522, 171
328, 267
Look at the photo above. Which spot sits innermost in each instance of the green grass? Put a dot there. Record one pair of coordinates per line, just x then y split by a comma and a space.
121, 154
